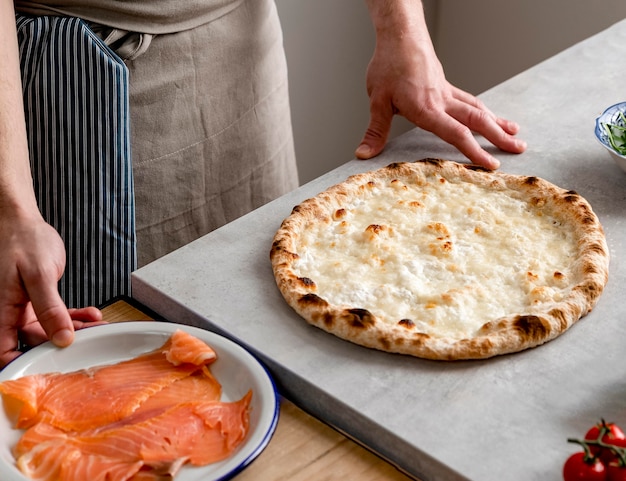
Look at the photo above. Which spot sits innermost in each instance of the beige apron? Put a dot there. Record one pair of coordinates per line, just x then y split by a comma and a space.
210, 127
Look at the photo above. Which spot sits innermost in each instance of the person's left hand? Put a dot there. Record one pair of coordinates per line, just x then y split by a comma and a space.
405, 77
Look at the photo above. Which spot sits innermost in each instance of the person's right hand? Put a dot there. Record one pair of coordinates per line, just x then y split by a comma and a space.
405, 77
31, 309
405, 83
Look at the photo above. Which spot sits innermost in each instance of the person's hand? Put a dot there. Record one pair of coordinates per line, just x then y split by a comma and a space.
32, 254
405, 77
31, 309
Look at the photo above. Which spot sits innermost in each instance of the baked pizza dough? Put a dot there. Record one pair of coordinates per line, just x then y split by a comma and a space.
442, 260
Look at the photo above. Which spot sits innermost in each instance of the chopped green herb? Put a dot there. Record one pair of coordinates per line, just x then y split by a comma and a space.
617, 134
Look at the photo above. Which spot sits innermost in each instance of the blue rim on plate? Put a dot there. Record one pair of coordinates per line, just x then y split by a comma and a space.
236, 369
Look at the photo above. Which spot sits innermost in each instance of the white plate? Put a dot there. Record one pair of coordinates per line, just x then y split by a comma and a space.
236, 369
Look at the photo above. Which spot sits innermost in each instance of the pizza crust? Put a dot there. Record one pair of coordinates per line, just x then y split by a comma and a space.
545, 318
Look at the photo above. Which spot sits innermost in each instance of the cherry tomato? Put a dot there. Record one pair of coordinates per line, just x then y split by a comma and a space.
609, 457
614, 434
579, 467
615, 472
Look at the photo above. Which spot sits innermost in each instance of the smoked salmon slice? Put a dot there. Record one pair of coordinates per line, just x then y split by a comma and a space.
104, 394
138, 420
197, 433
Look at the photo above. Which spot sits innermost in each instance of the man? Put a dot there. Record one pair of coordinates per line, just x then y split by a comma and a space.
404, 77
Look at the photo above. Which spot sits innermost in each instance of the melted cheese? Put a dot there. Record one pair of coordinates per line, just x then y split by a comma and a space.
449, 257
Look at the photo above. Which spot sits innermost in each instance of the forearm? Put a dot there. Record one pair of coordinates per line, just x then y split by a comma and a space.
16, 188
405, 77
402, 39
399, 19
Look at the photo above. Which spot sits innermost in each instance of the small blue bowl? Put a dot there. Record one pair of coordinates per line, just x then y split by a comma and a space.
611, 116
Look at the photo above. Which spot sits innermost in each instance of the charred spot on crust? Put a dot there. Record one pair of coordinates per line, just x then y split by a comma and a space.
339, 214
538, 201
590, 268
278, 248
482, 349
493, 326
571, 197
360, 318
374, 228
432, 161
398, 184
487, 326
560, 316
476, 168
312, 300
532, 327
596, 247
419, 339
386, 343
531, 180
307, 282
501, 324
367, 186
408, 323
328, 319
591, 290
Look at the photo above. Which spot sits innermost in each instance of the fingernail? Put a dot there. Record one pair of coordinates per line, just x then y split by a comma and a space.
63, 337
363, 151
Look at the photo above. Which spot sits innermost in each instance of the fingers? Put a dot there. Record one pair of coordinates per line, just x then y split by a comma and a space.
7, 357
22, 327
86, 314
375, 138
461, 137
8, 340
33, 334
454, 118
500, 132
508, 126
51, 312
86, 317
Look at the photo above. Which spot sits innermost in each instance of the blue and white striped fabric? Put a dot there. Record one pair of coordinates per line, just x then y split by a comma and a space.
76, 102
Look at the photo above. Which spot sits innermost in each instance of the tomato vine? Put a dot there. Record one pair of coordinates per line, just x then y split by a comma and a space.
603, 457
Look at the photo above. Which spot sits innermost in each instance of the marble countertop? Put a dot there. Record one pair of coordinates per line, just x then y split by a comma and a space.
503, 418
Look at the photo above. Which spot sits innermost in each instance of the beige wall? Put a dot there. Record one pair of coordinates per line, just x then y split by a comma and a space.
328, 45
480, 43
484, 42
